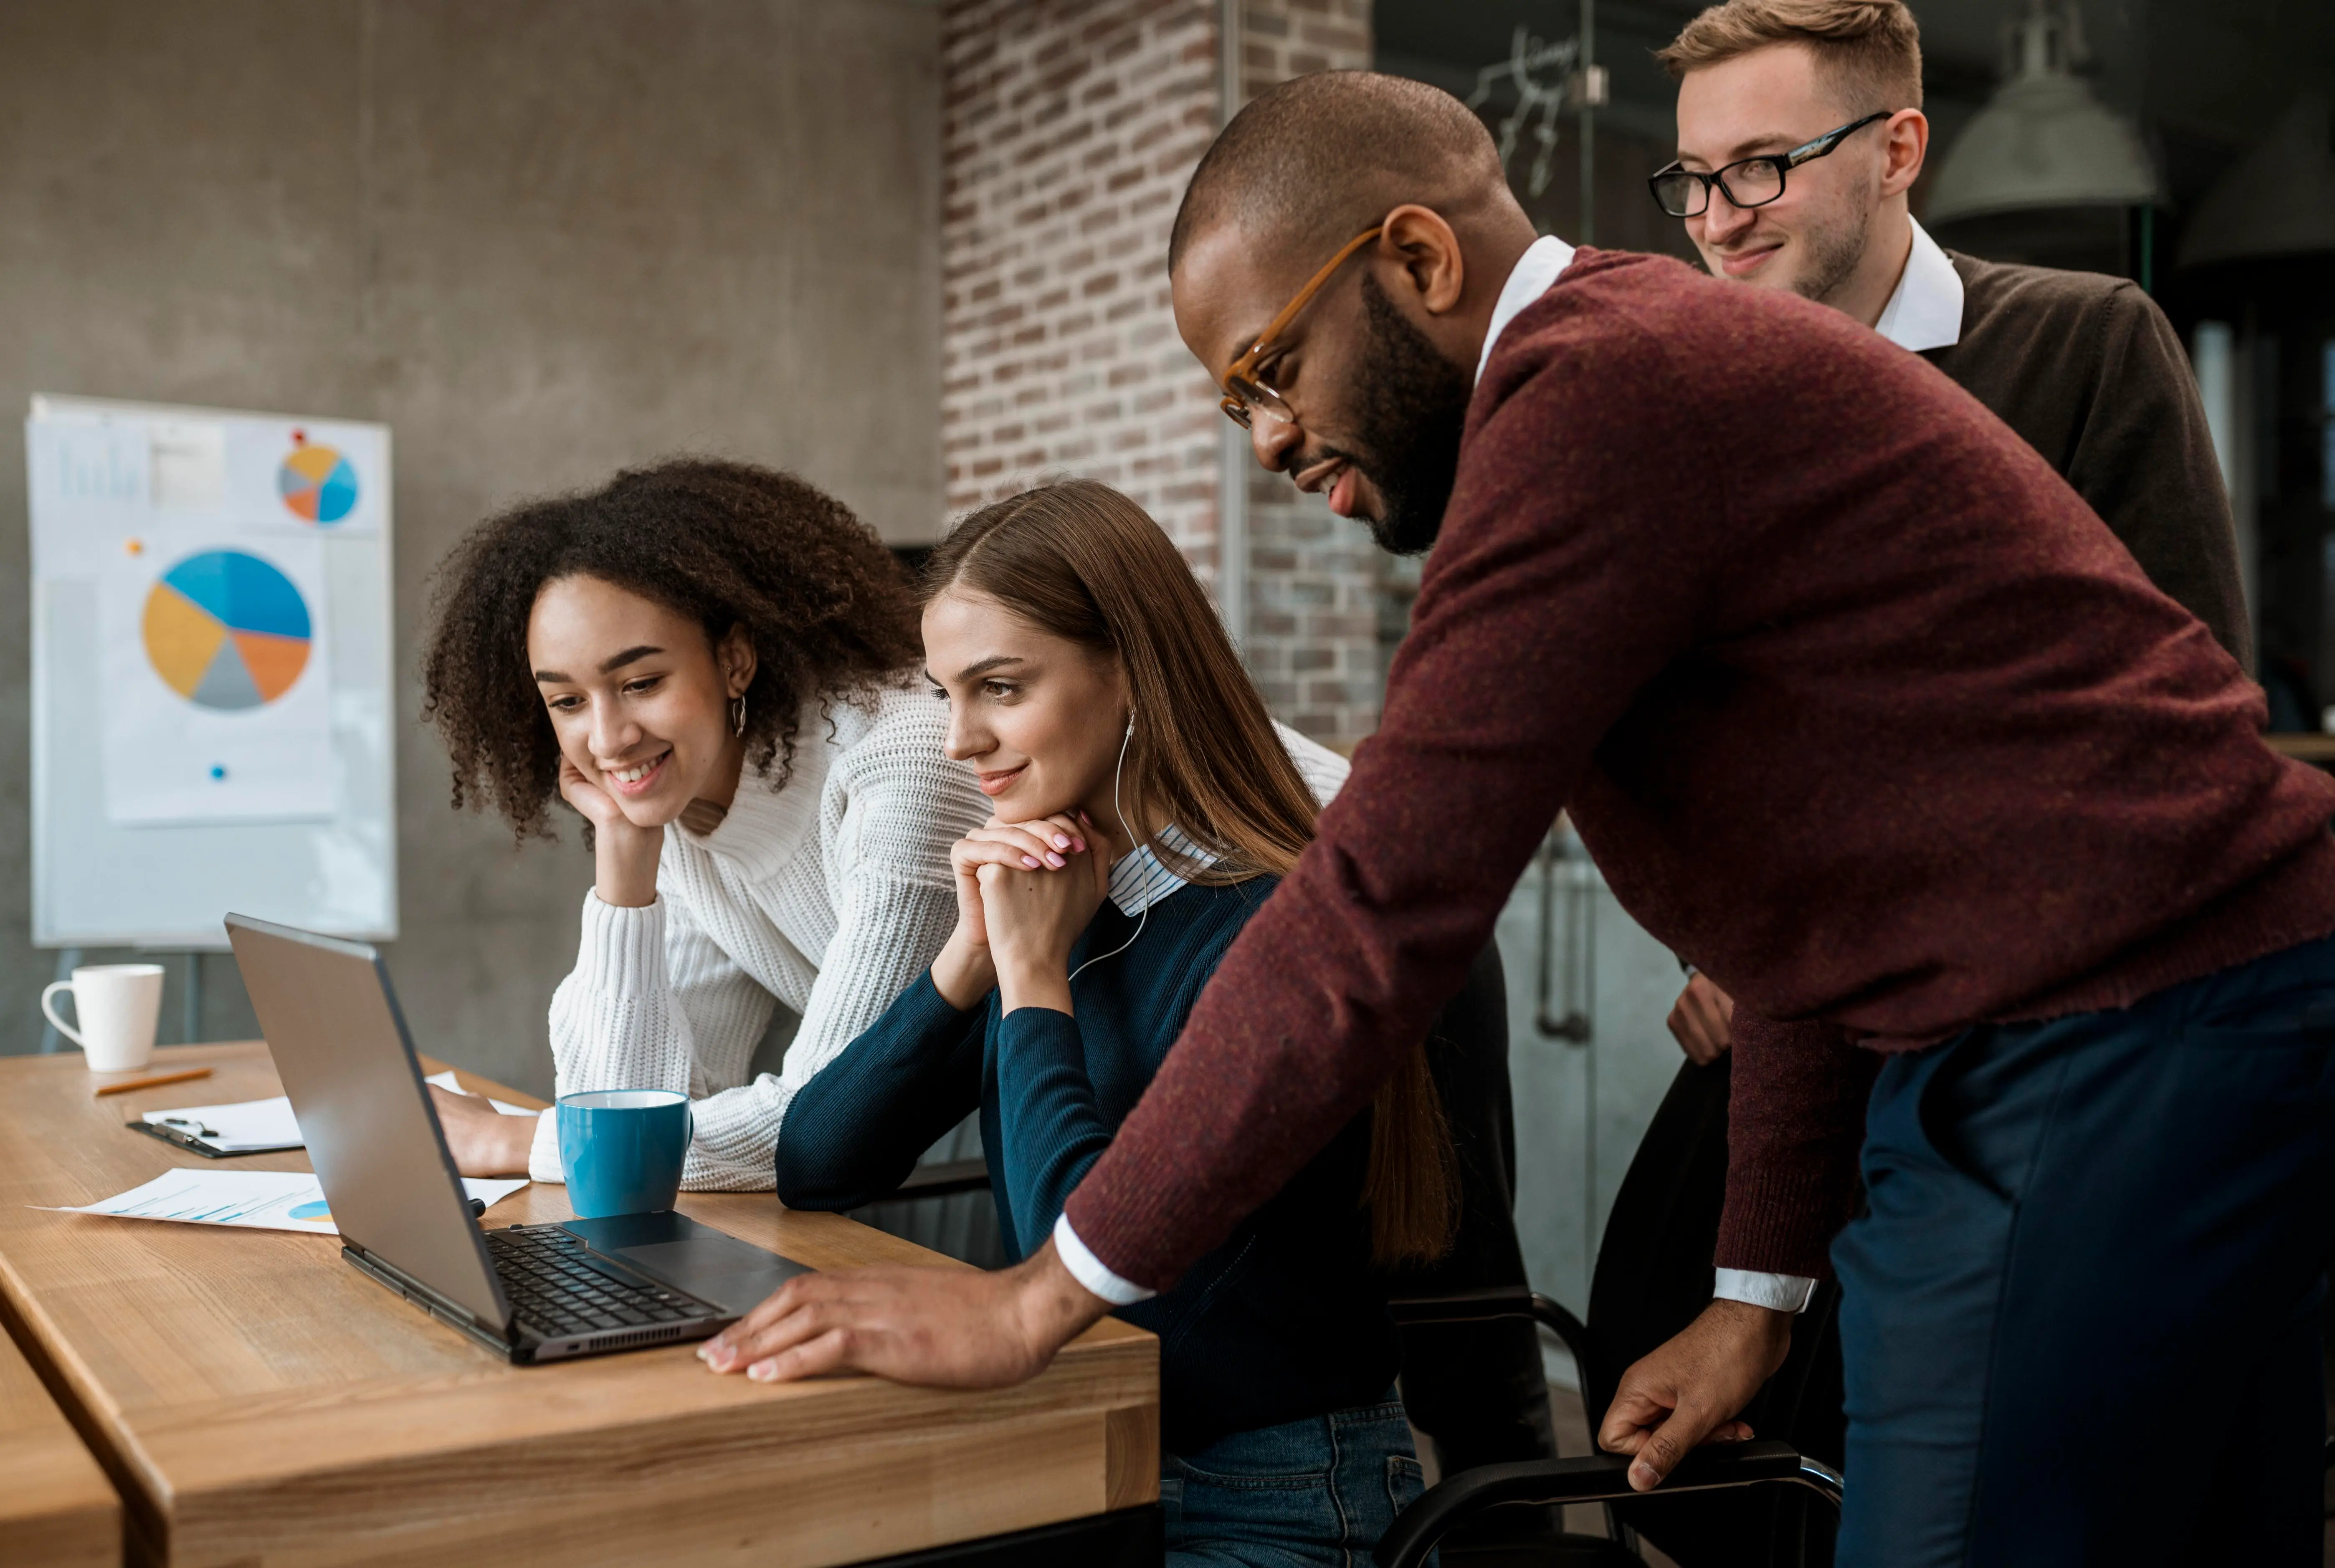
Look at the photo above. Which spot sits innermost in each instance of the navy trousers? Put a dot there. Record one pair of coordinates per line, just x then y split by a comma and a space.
2080, 1323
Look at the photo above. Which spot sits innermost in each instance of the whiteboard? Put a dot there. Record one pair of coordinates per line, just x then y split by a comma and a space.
212, 673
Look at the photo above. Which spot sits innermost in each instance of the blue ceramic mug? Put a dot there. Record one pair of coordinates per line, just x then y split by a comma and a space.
622, 1149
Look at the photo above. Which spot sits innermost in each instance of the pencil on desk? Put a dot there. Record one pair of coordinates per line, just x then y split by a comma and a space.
157, 1079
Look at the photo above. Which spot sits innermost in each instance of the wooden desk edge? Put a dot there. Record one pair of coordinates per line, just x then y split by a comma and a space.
146, 1495
60, 1509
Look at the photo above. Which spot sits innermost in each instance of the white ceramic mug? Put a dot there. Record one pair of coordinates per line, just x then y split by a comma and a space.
116, 1005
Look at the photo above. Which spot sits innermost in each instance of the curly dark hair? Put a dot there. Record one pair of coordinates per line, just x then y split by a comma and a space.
830, 611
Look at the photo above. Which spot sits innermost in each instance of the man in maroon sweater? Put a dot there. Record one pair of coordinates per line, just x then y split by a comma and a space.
1746, 588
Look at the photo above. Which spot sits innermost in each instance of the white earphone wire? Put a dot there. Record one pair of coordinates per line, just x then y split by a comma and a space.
1119, 773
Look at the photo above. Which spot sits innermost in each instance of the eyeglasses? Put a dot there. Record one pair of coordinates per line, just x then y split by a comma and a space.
1246, 392
1750, 181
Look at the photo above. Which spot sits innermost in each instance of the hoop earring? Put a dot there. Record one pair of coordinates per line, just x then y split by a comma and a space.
738, 715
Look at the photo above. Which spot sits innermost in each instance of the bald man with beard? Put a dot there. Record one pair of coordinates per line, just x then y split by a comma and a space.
2021, 911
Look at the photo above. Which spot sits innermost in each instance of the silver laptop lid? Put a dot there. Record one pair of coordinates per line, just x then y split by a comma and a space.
342, 1053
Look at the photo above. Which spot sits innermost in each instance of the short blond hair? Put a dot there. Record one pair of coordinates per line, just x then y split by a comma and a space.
1871, 49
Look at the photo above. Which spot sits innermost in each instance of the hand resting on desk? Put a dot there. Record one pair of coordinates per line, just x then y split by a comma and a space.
485, 1142
941, 1328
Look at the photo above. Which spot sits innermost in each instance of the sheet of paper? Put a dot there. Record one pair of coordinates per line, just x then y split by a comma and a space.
253, 1200
251, 1126
446, 1080
242, 1128
189, 464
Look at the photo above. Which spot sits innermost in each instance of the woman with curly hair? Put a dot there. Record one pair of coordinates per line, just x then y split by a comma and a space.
710, 662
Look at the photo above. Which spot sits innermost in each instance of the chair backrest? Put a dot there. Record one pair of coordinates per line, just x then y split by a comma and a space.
1654, 1272
1654, 1276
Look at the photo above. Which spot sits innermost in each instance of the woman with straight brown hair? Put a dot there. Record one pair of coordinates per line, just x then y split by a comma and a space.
1145, 808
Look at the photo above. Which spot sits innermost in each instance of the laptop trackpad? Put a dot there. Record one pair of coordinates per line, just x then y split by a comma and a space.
710, 1264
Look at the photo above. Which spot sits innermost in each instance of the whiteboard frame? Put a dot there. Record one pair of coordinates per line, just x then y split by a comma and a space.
48, 861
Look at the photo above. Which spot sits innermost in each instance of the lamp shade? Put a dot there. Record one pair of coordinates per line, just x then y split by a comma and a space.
2278, 200
2043, 141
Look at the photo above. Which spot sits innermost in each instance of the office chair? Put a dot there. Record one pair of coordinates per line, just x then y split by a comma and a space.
1743, 1504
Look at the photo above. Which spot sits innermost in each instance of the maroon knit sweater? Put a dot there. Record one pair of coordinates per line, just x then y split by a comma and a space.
1856, 704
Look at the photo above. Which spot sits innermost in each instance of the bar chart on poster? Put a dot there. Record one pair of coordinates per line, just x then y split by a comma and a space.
212, 725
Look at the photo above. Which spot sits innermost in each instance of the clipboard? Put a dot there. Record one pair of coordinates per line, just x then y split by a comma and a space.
194, 1144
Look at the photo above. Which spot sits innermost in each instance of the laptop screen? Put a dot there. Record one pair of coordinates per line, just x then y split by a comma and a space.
340, 1048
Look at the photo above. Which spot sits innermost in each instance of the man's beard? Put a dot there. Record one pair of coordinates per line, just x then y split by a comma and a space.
1414, 407
1834, 253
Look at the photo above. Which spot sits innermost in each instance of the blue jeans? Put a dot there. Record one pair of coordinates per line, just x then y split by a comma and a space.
1311, 1494
2080, 1323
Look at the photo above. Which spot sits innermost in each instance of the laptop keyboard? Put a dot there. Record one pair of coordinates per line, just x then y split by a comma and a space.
557, 1293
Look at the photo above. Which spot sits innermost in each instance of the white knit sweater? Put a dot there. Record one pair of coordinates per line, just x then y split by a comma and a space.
831, 894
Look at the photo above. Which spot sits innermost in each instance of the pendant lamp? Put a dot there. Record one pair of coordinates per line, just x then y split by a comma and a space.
2278, 200
2043, 141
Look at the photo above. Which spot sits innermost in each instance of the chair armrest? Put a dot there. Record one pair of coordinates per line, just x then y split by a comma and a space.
940, 1179
1481, 1306
1600, 1479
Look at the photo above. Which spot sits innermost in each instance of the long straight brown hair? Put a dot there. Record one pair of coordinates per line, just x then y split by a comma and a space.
1082, 562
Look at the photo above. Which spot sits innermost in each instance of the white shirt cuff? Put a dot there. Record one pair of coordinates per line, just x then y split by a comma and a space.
1781, 1292
1089, 1270
543, 1157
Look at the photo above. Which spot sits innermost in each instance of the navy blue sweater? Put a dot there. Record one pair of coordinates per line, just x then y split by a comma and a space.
1285, 1320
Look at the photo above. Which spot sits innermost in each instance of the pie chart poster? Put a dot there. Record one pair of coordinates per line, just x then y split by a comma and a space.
296, 476
217, 708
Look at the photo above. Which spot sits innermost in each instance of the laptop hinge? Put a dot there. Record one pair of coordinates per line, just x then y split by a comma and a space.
502, 1335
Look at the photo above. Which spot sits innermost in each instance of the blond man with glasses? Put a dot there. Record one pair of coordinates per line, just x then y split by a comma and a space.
1800, 136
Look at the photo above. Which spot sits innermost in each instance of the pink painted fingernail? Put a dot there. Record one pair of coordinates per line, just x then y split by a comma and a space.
1056, 861
1060, 842
1030, 861
763, 1371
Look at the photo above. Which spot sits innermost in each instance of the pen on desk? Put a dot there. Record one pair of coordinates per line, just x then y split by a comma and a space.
157, 1079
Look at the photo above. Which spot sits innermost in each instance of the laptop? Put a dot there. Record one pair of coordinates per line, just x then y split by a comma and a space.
528, 1292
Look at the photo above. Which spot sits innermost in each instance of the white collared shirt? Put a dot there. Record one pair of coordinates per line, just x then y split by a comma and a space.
1541, 263
1925, 309
1141, 879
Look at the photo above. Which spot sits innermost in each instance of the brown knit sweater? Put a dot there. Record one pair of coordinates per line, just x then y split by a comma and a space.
1857, 705
2088, 372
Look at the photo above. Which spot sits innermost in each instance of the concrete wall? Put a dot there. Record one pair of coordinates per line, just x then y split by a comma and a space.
539, 240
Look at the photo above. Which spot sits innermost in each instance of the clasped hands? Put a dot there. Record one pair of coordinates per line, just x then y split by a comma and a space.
1024, 892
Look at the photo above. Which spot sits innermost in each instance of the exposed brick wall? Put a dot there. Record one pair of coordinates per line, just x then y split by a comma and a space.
1069, 129
1313, 592
1286, 38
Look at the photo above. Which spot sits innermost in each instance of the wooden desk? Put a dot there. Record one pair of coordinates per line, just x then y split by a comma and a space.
57, 1509
2320, 749
258, 1401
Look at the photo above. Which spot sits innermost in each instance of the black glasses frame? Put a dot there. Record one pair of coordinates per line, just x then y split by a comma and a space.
1784, 163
